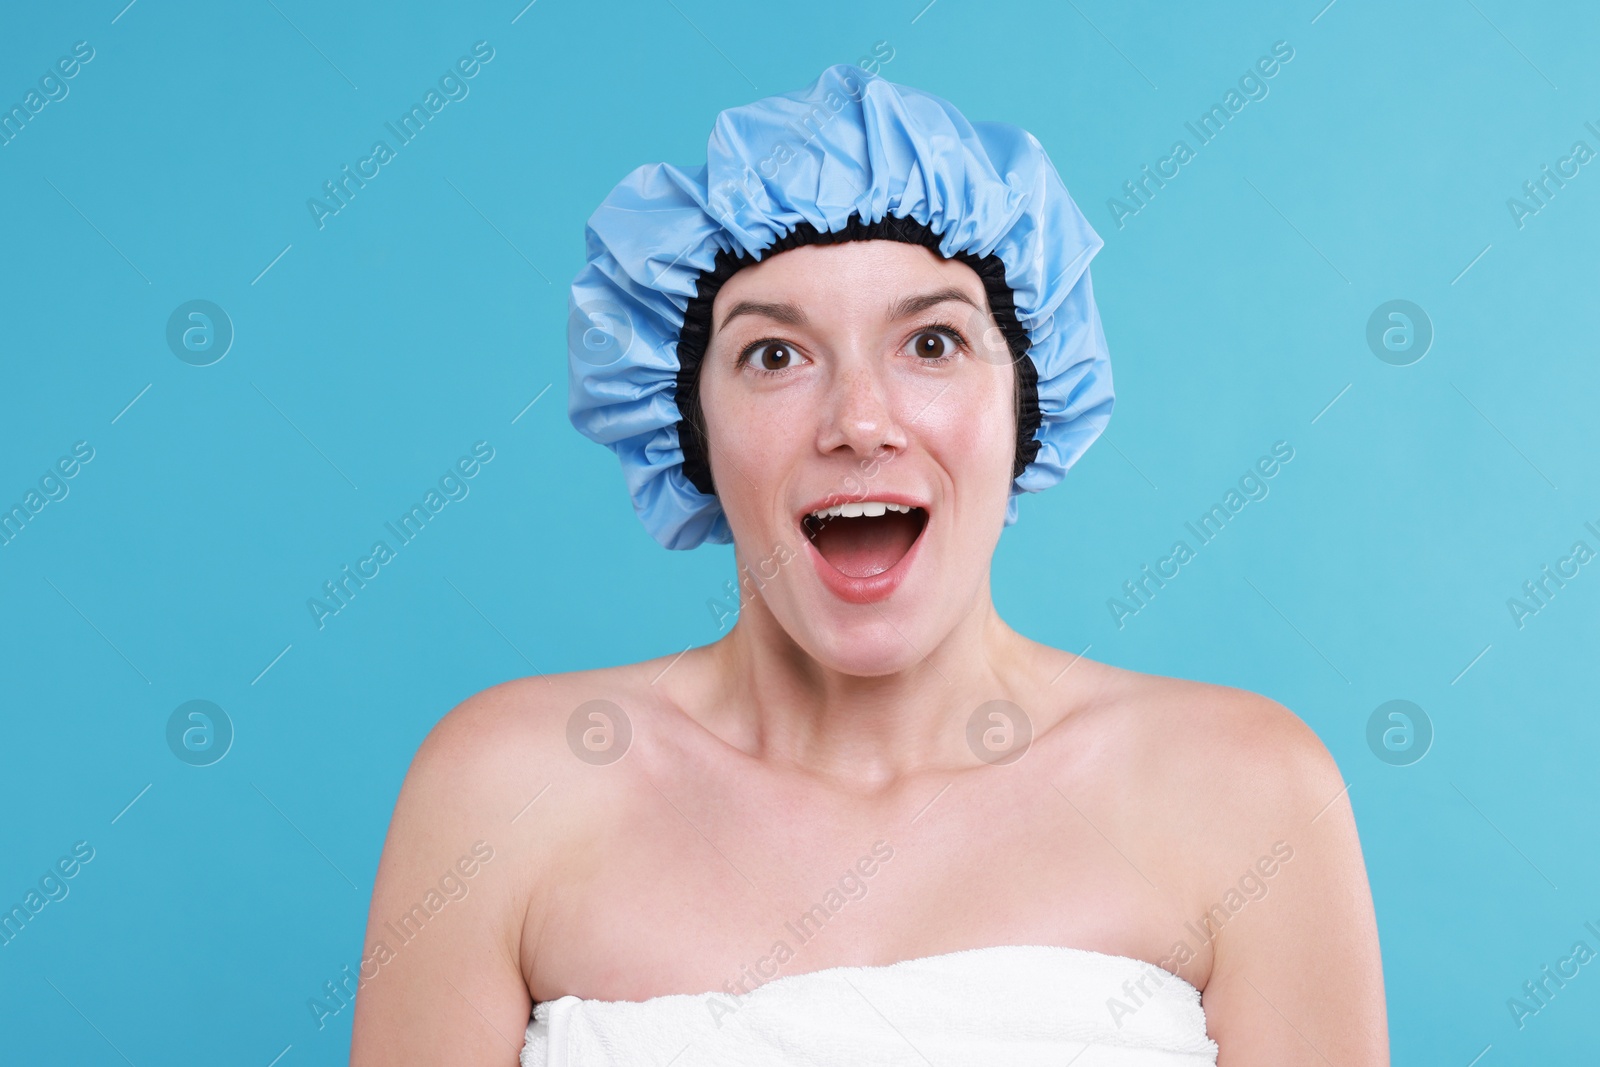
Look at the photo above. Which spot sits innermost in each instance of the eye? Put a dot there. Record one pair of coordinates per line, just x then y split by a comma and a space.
770, 356
935, 344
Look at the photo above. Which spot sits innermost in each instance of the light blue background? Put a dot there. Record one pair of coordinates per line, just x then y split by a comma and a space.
428, 313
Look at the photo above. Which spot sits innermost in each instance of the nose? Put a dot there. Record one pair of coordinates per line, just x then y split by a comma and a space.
860, 414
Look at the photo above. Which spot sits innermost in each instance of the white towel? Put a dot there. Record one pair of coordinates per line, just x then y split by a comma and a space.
1018, 1006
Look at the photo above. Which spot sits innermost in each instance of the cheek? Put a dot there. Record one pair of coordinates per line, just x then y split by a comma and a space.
974, 434
753, 437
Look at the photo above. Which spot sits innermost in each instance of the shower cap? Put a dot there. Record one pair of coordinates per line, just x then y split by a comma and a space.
851, 157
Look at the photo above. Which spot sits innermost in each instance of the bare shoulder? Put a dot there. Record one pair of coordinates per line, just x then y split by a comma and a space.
481, 765
491, 803
1219, 773
514, 763
529, 741
519, 730
1226, 741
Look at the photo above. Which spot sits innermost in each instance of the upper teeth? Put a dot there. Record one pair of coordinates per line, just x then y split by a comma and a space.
856, 509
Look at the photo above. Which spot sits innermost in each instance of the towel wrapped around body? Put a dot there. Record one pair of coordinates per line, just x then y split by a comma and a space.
1014, 1005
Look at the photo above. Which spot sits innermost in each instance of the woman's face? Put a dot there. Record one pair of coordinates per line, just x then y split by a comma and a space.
862, 373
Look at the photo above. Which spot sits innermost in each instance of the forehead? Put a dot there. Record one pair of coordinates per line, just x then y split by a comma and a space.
862, 275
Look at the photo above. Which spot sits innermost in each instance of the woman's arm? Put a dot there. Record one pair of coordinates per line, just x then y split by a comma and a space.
441, 980
1297, 977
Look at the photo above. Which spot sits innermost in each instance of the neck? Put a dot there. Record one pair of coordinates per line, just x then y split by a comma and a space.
777, 702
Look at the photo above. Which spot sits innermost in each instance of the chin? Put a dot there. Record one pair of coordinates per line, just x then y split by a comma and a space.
869, 648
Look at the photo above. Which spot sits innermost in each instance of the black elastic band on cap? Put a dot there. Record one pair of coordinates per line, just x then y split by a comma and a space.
695, 336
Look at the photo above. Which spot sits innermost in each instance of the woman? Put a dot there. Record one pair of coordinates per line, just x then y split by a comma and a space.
872, 823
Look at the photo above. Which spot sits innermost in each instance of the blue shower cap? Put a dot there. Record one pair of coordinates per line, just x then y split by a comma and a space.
846, 157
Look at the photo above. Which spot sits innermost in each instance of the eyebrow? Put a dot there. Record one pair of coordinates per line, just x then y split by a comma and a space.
914, 305
793, 315
787, 313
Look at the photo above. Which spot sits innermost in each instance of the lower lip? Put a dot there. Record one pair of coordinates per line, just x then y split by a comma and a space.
865, 590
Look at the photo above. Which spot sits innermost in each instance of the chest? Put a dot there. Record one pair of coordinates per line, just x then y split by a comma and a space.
723, 882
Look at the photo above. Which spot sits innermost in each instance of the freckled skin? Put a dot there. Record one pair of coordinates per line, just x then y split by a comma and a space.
764, 766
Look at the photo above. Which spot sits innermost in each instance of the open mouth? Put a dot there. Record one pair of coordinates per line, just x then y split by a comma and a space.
860, 539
